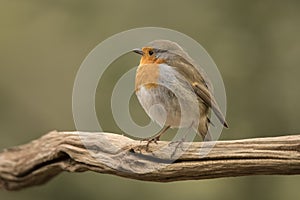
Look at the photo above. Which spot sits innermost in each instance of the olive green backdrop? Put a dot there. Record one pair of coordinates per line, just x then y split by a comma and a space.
255, 44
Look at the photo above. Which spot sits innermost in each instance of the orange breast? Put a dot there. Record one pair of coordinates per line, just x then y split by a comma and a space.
147, 75
151, 60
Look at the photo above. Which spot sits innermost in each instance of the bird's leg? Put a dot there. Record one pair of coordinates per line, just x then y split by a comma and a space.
184, 135
181, 140
156, 137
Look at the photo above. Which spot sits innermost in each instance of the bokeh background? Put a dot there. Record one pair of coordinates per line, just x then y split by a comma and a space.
255, 44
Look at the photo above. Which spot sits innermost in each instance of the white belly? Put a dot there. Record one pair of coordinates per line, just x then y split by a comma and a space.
179, 108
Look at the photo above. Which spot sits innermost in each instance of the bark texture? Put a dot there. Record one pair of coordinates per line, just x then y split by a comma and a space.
40, 160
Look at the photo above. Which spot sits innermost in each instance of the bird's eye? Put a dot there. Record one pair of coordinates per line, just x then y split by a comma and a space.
150, 52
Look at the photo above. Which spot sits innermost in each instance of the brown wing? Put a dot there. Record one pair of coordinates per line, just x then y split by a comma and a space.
203, 92
199, 82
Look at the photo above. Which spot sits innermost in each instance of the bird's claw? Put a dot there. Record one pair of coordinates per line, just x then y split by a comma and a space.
179, 144
154, 140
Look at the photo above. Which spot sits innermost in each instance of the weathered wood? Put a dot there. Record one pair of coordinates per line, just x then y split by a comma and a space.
40, 160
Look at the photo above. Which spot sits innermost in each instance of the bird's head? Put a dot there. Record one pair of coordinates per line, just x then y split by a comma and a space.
158, 51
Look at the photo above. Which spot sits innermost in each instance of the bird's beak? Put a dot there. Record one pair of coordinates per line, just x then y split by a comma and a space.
138, 51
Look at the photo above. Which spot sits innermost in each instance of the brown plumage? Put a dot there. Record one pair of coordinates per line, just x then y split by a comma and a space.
169, 77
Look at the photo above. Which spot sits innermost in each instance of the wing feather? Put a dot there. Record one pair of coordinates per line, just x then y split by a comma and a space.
199, 82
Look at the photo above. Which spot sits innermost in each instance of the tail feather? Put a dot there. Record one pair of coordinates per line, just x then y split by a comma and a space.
203, 129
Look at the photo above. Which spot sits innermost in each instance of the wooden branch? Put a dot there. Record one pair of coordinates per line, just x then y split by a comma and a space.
42, 159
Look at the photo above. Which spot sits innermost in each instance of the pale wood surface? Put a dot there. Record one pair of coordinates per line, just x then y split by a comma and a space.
40, 160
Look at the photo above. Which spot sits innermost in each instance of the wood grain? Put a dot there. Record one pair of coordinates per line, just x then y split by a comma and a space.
40, 160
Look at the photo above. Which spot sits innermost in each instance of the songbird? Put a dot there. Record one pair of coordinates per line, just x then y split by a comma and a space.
173, 90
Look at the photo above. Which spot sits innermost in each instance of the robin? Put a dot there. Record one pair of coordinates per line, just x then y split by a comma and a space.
173, 91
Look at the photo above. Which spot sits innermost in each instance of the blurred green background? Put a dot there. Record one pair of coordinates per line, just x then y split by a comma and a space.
255, 44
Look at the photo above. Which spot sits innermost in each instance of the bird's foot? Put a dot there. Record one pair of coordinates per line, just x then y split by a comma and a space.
150, 140
179, 144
